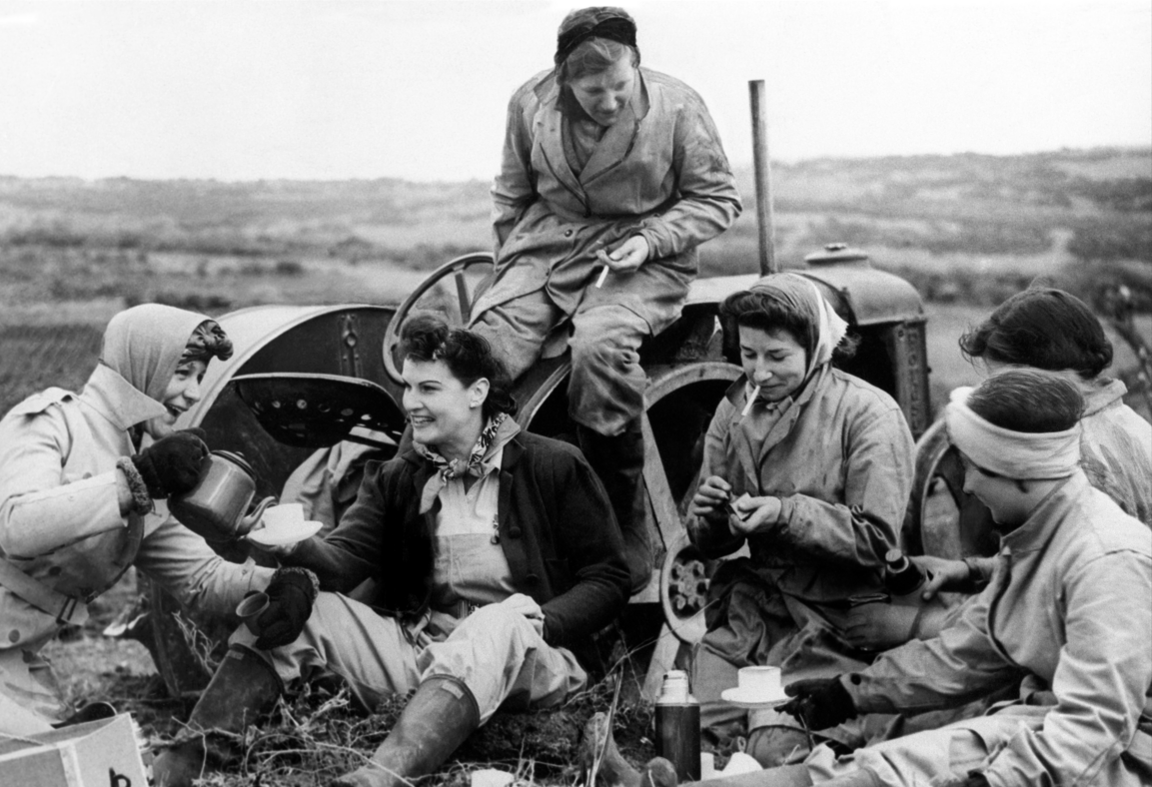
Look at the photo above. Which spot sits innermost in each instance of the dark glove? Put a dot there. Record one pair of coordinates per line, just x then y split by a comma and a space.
174, 464
974, 779
819, 703
291, 594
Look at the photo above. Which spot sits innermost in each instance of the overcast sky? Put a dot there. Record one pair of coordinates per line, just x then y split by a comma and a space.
238, 90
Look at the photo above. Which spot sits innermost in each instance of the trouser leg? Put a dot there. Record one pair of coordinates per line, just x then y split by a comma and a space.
369, 652
517, 329
29, 694
498, 655
606, 400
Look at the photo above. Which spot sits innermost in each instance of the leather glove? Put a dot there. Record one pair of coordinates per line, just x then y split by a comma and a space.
174, 464
820, 703
291, 594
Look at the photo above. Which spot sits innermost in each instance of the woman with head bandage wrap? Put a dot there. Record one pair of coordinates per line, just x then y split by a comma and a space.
1049, 329
811, 468
1068, 609
83, 478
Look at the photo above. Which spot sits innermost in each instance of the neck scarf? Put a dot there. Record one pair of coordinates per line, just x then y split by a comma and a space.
493, 437
1022, 455
144, 345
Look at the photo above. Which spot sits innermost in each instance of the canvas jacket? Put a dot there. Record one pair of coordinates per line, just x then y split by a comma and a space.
556, 529
60, 518
1069, 604
1116, 448
839, 459
660, 172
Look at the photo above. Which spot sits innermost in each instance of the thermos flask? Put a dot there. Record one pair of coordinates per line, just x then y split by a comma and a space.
678, 726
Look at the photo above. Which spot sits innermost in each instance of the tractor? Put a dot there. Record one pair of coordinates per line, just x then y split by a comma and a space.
308, 378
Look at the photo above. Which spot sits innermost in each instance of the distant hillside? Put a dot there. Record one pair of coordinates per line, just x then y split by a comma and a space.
949, 223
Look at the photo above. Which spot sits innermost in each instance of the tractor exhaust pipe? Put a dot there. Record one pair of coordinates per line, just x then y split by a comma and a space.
763, 175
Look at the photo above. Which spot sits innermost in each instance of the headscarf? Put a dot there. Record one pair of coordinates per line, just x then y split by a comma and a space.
800, 296
493, 437
1023, 455
597, 22
144, 345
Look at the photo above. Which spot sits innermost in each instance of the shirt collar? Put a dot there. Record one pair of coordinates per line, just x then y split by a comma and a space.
117, 400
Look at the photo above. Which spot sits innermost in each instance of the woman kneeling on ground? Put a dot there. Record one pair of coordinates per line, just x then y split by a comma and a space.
811, 468
496, 559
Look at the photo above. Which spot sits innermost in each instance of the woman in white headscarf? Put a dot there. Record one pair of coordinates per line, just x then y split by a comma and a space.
78, 477
816, 465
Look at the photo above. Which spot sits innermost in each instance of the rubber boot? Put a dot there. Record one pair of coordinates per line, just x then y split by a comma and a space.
619, 463
439, 717
244, 686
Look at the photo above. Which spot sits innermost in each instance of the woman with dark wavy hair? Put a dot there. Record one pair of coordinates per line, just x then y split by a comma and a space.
495, 558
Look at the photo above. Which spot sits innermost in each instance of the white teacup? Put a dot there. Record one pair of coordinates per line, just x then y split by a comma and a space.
283, 515
756, 686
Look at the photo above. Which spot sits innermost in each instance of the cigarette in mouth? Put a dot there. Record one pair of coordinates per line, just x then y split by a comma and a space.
603, 275
751, 401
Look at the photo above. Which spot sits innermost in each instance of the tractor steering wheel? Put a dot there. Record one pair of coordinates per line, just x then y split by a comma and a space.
457, 311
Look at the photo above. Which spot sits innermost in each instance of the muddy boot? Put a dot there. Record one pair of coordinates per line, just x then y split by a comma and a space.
598, 752
439, 717
244, 686
619, 463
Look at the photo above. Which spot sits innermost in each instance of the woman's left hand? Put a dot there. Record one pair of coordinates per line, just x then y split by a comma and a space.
754, 515
627, 257
526, 606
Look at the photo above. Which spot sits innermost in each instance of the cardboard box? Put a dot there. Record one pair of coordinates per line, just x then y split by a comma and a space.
101, 753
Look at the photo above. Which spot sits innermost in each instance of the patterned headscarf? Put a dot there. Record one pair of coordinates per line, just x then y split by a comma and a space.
799, 295
495, 434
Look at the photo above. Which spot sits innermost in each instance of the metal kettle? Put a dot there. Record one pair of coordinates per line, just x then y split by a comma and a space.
215, 508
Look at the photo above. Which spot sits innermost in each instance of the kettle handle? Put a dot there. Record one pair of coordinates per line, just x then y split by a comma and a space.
248, 522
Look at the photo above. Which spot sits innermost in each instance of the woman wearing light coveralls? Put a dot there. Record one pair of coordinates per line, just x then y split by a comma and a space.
495, 559
1068, 609
819, 465
77, 482
612, 170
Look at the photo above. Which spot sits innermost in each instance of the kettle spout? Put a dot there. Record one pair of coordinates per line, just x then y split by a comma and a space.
247, 523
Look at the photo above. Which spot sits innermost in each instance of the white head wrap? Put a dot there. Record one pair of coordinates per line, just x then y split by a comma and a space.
1023, 455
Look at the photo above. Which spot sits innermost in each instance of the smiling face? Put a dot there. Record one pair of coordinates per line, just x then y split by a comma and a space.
773, 360
604, 95
445, 414
182, 392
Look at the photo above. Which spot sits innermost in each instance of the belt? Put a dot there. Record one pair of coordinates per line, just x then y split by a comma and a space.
66, 609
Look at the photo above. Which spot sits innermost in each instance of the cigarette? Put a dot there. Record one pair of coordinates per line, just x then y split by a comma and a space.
603, 275
751, 401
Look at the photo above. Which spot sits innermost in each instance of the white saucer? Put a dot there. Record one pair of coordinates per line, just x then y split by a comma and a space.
752, 702
279, 535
